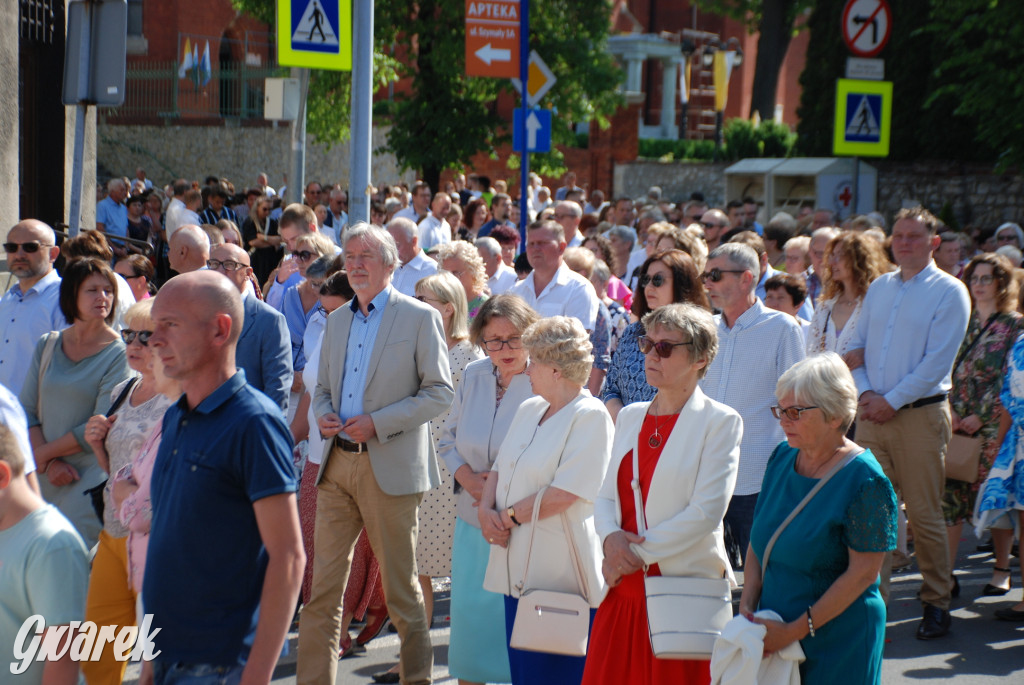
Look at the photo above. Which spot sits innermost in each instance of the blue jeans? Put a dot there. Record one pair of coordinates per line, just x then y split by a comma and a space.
176, 673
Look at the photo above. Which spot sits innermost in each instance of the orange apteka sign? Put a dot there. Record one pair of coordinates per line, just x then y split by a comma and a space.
492, 38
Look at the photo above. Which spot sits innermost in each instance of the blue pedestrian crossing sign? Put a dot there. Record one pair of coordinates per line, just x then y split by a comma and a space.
315, 33
863, 118
538, 130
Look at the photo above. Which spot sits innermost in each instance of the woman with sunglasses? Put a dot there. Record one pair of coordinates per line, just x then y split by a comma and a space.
313, 255
822, 573
70, 378
486, 400
138, 272
666, 278
687, 453
117, 440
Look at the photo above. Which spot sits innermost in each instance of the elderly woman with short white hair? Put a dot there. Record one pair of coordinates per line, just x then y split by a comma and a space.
559, 445
681, 451
462, 260
821, 573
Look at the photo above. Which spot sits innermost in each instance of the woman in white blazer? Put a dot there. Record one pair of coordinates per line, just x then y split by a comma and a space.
560, 441
486, 400
688, 453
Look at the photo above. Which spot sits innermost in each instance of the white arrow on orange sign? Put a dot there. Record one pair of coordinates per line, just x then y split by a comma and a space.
487, 54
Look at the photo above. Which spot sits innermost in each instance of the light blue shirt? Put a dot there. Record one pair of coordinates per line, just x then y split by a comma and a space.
910, 332
113, 216
24, 318
275, 295
806, 309
361, 337
761, 345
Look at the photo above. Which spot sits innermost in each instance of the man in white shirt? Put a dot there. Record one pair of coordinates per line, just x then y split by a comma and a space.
337, 217
569, 215
434, 229
500, 278
261, 183
912, 323
552, 288
189, 249
756, 345
31, 307
172, 218
417, 211
415, 264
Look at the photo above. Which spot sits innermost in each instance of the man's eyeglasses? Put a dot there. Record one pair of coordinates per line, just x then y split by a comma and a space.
791, 413
304, 255
226, 265
662, 348
708, 224
715, 275
30, 247
657, 280
496, 344
129, 336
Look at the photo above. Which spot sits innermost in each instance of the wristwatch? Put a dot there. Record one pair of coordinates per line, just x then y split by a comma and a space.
511, 511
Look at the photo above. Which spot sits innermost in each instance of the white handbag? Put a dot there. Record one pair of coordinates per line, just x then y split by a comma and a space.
548, 620
684, 615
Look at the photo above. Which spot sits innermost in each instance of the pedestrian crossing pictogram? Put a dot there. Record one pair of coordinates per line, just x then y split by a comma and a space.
316, 28
863, 114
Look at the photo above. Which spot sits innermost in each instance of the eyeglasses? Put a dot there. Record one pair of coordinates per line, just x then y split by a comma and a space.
226, 265
304, 255
30, 247
559, 217
983, 280
657, 280
791, 413
707, 224
663, 348
715, 275
129, 336
424, 298
497, 344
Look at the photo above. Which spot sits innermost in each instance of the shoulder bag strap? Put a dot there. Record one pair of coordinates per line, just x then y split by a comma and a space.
122, 396
967, 350
573, 553
803, 503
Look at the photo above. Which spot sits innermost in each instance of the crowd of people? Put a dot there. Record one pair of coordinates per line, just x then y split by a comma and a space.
230, 412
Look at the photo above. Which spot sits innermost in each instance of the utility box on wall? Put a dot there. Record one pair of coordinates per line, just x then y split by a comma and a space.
281, 99
824, 182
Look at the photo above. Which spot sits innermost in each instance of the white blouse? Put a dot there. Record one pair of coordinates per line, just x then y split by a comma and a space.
569, 451
822, 336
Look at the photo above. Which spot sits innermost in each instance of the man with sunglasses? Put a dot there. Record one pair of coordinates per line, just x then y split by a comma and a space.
715, 223
756, 345
264, 349
30, 308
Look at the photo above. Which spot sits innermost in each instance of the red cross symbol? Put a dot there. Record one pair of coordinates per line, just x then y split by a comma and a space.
846, 196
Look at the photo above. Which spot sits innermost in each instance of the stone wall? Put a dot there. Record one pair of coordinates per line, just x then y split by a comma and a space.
975, 194
235, 153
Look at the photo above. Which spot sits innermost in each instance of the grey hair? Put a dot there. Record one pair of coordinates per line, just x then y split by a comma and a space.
406, 226
1011, 253
654, 213
741, 256
1016, 229
319, 267
823, 381
825, 231
489, 245
377, 236
561, 342
460, 249
115, 183
696, 323
571, 207
623, 233
602, 274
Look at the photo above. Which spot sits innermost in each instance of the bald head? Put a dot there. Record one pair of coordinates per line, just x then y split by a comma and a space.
189, 249
207, 296
233, 262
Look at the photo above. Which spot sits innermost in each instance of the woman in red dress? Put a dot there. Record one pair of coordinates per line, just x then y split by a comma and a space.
688, 453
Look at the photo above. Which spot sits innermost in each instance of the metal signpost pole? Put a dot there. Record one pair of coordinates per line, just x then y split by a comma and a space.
362, 111
524, 79
85, 48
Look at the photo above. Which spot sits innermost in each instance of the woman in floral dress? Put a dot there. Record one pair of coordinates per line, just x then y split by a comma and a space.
974, 399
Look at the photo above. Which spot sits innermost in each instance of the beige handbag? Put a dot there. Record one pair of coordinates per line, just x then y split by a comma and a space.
963, 456
547, 620
684, 615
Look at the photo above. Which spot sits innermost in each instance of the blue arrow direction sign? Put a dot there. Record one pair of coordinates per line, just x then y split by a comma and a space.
538, 130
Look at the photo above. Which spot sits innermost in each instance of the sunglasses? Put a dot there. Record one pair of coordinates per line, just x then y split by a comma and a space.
657, 280
129, 336
791, 413
715, 275
227, 264
29, 247
663, 348
304, 255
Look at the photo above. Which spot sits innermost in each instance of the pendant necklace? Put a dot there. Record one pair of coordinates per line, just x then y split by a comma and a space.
655, 440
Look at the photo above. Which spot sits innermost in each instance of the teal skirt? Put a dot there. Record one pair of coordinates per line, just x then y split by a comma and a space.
477, 648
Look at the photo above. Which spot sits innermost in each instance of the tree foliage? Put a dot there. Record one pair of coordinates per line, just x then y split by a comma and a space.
447, 117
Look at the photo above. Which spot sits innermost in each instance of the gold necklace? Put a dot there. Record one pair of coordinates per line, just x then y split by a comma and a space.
814, 474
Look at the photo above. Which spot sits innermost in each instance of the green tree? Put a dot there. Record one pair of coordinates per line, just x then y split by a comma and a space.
775, 21
448, 117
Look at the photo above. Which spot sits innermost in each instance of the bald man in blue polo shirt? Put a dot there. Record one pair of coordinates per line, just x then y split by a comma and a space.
225, 557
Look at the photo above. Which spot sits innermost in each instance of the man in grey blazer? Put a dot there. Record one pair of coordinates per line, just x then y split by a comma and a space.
264, 349
383, 375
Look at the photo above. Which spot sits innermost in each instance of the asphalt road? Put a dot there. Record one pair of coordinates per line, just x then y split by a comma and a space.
979, 651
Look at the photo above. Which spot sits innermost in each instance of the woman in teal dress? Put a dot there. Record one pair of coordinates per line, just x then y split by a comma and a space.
822, 575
